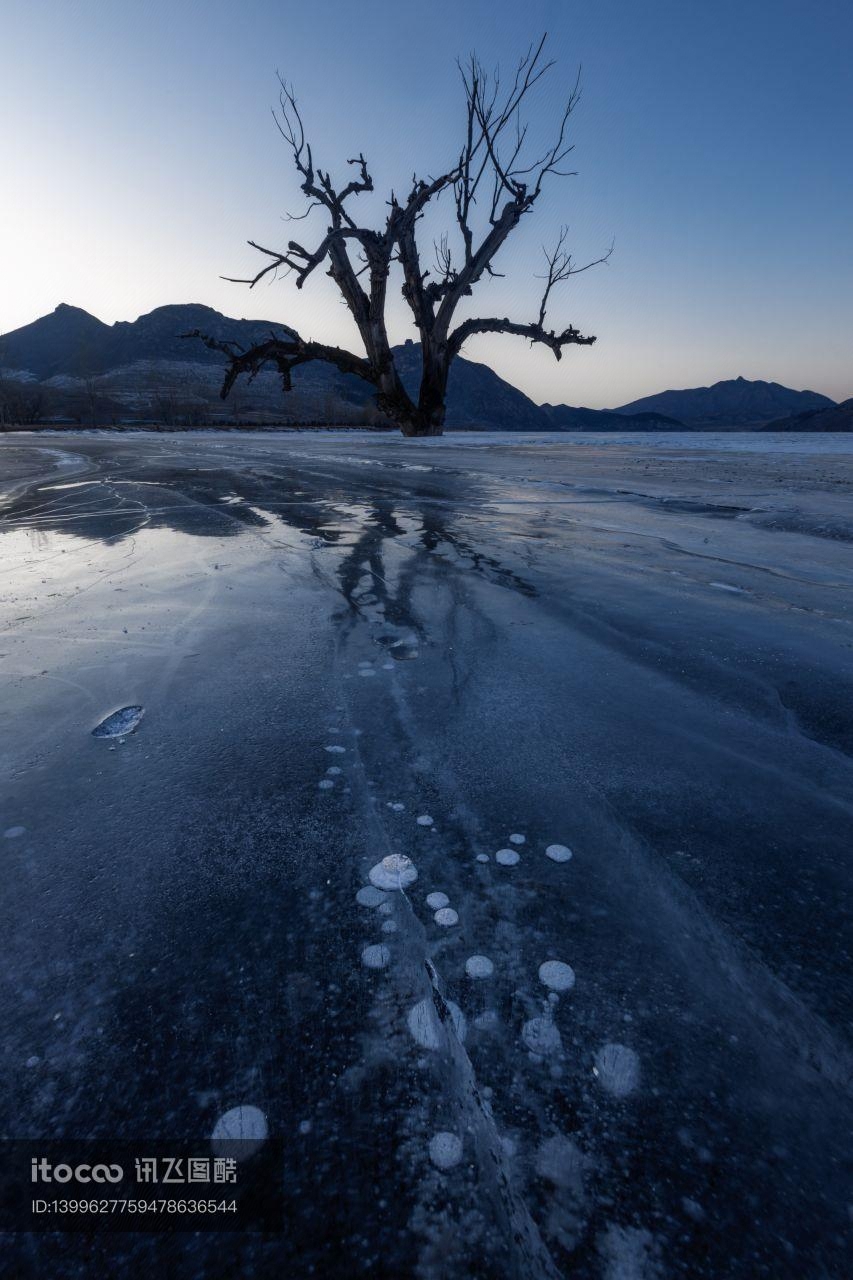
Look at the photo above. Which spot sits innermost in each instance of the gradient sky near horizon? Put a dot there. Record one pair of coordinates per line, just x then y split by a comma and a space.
713, 144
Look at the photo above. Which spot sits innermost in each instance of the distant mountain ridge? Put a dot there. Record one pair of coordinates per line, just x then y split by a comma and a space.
734, 402
70, 366
838, 417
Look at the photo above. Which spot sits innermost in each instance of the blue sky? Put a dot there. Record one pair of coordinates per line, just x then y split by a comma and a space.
713, 143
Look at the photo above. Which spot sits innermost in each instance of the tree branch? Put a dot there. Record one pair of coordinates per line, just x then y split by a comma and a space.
285, 353
535, 332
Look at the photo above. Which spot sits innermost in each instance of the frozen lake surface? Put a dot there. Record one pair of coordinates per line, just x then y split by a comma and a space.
352, 671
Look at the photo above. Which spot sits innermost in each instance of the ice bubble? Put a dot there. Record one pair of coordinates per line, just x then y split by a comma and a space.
325, 784
446, 917
393, 872
436, 900
335, 749
370, 896
445, 1150
305, 1127
425, 1027
367, 671
396, 807
487, 1020
376, 956
509, 1146
558, 853
556, 975
389, 926
541, 1036
387, 666
385, 908
334, 769
33, 1060
424, 820
506, 857
618, 1069
479, 967
517, 839
11, 833
483, 857
246, 1125
561, 1161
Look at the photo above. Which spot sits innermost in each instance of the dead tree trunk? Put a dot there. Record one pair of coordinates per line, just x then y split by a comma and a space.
493, 184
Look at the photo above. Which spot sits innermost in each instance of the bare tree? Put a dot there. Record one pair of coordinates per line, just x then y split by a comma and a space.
495, 180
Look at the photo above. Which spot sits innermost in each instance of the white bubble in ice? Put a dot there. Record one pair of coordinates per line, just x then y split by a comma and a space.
387, 666
33, 1060
389, 926
370, 896
334, 769
425, 1027
618, 1069
335, 749
367, 671
487, 1020
376, 956
446, 917
325, 784
506, 857
445, 1150
557, 975
394, 872
558, 853
479, 967
246, 1125
436, 900
424, 820
396, 807
517, 839
561, 1161
483, 857
11, 833
541, 1036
